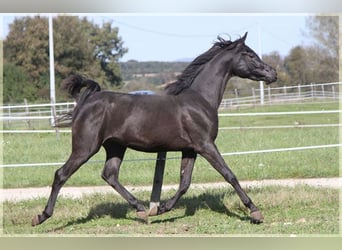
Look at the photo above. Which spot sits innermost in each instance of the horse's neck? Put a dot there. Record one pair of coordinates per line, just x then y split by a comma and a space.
211, 82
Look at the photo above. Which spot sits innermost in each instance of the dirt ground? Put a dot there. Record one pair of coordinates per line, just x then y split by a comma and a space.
19, 194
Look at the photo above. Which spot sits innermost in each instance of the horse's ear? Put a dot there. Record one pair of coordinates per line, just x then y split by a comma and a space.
240, 42
243, 39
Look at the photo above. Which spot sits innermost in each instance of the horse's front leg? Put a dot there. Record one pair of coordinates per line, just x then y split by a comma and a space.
211, 154
187, 165
110, 174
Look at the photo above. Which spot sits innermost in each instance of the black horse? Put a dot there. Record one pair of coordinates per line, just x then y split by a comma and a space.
183, 119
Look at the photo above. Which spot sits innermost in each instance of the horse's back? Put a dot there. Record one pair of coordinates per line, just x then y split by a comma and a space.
146, 122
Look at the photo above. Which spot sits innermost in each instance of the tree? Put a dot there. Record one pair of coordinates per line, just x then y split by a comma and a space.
275, 60
325, 30
108, 49
26, 46
324, 54
79, 45
316, 63
296, 66
19, 87
72, 49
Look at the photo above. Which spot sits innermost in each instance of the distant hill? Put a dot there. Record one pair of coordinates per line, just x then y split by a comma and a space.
188, 60
134, 69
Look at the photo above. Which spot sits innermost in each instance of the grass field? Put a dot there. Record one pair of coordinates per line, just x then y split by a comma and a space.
301, 210
288, 211
44, 148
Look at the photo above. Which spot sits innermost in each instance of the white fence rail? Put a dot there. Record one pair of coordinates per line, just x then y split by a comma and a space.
29, 118
274, 150
34, 111
299, 93
310, 147
32, 116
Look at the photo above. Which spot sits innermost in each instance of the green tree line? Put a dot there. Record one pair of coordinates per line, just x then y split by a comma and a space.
79, 46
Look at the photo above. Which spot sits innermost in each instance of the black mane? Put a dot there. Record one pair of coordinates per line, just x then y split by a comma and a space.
185, 80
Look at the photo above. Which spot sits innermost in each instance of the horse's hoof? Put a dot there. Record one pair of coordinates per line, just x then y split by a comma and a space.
256, 217
35, 221
153, 211
143, 215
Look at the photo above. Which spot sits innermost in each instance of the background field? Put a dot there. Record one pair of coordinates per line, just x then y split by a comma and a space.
299, 210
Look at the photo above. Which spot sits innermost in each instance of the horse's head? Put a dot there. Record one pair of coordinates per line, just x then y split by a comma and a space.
247, 64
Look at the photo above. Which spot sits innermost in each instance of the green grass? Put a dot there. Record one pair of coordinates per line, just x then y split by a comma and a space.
301, 210
42, 148
245, 121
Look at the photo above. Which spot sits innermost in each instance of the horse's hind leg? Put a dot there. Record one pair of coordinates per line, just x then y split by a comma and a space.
187, 166
61, 176
110, 174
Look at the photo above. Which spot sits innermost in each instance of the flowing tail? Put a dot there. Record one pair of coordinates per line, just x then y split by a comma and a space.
73, 84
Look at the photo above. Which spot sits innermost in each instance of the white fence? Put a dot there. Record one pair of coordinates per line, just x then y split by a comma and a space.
33, 116
300, 93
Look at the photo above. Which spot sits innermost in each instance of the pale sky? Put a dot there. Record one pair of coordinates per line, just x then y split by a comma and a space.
166, 37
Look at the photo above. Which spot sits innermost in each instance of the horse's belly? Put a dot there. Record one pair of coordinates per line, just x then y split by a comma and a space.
155, 128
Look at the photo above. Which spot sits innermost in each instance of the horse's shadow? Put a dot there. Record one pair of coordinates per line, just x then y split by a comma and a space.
213, 202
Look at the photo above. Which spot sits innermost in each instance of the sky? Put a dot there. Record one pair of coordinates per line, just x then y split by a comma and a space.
165, 37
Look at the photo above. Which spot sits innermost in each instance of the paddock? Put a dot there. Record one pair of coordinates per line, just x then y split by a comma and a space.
277, 141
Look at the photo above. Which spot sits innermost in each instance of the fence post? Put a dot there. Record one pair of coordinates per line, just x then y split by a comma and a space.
236, 96
269, 95
253, 93
323, 93
333, 91
27, 113
9, 114
262, 97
